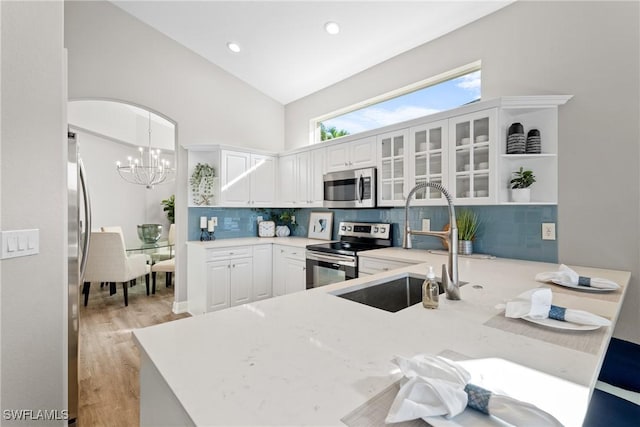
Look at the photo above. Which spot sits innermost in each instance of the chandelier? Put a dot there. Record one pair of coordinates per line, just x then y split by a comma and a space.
155, 171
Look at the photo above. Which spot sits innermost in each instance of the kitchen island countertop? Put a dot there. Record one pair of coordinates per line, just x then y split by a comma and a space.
311, 357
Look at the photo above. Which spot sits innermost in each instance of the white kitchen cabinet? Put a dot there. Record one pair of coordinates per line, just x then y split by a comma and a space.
218, 278
392, 168
357, 154
369, 266
428, 161
473, 140
295, 275
300, 179
262, 271
263, 180
235, 185
247, 179
240, 281
537, 113
216, 288
289, 270
243, 179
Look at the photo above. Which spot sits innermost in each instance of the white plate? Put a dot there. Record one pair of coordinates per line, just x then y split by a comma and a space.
559, 324
579, 287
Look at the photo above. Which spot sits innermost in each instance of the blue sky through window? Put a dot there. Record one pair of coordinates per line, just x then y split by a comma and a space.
432, 99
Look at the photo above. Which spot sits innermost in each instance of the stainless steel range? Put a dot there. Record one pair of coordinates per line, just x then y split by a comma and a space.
338, 261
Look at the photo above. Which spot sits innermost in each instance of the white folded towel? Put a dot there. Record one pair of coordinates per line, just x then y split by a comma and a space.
435, 386
536, 304
567, 276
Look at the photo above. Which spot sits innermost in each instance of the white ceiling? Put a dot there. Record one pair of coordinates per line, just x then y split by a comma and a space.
286, 53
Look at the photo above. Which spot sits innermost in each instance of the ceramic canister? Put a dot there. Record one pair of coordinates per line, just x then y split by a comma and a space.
516, 141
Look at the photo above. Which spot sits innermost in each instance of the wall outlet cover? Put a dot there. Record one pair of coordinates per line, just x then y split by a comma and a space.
548, 231
426, 224
215, 221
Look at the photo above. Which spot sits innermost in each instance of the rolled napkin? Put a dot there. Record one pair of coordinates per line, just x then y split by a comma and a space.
435, 386
567, 276
536, 304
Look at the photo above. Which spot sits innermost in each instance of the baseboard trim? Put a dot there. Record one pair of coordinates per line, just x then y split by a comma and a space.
180, 307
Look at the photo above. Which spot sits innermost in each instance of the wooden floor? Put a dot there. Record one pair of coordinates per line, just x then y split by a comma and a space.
109, 360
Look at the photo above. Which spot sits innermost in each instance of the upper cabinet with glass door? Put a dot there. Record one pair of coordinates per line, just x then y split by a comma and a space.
429, 160
392, 167
473, 138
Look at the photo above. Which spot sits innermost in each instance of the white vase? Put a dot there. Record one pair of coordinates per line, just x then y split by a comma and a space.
521, 195
282, 231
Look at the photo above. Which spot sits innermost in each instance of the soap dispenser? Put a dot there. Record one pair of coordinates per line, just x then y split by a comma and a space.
430, 291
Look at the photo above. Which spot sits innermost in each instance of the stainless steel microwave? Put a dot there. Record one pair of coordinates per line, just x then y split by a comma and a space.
350, 189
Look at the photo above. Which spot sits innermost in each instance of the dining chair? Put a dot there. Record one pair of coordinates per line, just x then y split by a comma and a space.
108, 262
166, 253
118, 229
167, 266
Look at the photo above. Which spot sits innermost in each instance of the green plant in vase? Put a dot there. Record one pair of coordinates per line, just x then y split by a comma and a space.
169, 207
467, 223
202, 184
520, 185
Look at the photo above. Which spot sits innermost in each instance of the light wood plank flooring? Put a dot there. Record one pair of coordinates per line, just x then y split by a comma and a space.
109, 360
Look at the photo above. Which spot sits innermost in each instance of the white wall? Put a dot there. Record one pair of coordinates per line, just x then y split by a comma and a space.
33, 170
113, 200
588, 49
114, 56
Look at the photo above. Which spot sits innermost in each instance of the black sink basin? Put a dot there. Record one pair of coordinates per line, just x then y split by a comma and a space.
393, 295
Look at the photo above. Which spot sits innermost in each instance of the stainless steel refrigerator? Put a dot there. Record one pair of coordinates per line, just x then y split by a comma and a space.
79, 232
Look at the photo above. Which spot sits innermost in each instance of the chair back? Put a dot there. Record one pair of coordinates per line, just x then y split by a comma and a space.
172, 234
107, 258
114, 229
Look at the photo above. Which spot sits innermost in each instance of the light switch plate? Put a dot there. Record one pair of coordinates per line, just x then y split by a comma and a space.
426, 224
548, 231
215, 221
17, 243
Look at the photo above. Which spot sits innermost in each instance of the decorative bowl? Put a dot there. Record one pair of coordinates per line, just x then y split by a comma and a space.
149, 233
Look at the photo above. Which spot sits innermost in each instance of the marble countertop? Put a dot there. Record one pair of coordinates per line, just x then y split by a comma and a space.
310, 358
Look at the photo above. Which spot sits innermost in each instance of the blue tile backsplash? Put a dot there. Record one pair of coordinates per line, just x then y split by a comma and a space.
505, 231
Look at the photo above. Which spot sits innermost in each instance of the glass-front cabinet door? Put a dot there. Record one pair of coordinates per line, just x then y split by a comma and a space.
473, 138
392, 170
429, 161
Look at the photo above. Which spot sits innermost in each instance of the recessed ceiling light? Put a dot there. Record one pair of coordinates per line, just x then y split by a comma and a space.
233, 47
332, 27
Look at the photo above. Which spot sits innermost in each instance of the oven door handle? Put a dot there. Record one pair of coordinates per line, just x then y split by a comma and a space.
334, 259
360, 192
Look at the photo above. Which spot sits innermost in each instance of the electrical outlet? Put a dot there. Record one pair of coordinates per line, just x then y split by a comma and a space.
259, 218
548, 231
293, 219
426, 224
215, 221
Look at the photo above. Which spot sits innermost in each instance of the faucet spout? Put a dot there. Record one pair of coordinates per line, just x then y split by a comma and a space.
450, 280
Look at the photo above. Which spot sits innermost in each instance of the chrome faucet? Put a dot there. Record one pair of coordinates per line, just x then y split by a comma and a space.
449, 275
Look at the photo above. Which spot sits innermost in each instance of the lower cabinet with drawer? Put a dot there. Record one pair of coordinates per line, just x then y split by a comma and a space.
369, 266
220, 278
289, 270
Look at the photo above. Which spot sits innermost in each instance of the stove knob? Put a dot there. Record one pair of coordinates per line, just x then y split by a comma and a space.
349, 228
382, 230
375, 229
343, 228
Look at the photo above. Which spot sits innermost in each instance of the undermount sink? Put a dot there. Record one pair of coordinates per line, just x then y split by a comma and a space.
392, 294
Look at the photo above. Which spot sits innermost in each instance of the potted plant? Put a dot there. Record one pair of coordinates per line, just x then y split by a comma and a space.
202, 184
169, 208
284, 219
467, 223
522, 180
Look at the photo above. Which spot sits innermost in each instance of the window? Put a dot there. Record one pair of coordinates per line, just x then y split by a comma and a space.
440, 93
